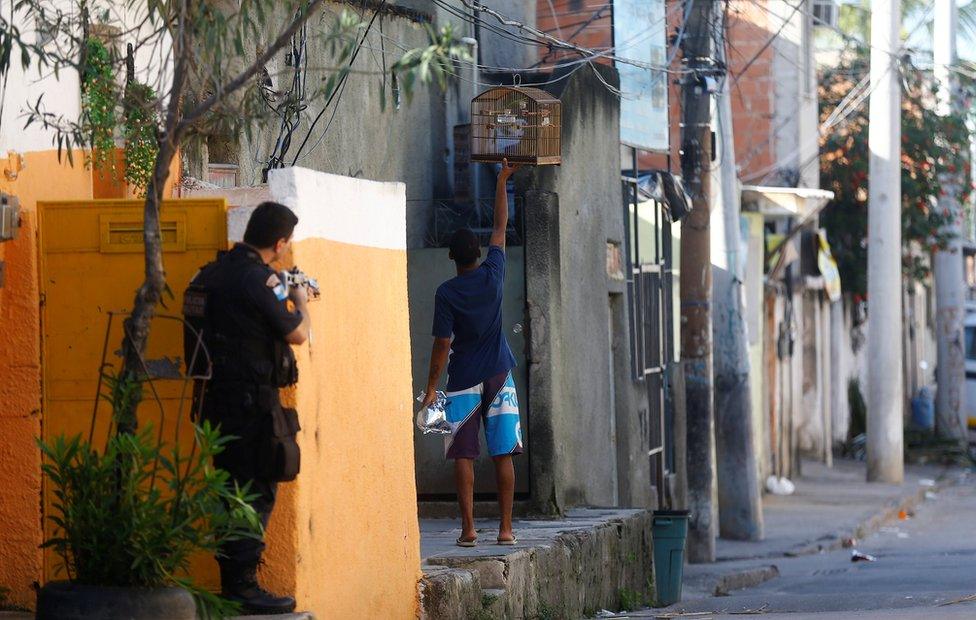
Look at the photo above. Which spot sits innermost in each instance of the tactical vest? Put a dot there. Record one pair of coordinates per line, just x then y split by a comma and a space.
263, 359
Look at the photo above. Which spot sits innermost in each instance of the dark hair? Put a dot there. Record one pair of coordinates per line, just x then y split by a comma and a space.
270, 222
465, 249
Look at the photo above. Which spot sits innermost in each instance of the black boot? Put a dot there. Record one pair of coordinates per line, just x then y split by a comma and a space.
241, 586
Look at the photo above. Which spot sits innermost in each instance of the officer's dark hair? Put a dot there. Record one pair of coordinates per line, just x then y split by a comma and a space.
270, 222
465, 249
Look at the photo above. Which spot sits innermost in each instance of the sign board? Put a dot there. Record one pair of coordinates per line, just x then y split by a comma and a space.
640, 33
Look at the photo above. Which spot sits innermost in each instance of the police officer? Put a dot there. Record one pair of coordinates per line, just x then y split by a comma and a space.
238, 303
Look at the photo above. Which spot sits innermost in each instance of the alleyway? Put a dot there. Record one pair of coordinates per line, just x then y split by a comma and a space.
924, 566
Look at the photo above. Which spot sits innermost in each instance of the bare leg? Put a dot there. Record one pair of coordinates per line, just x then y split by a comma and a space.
464, 479
505, 478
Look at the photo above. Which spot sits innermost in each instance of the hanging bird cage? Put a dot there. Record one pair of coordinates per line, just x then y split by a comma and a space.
519, 124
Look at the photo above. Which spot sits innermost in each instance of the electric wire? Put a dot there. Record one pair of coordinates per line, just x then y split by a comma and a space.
338, 89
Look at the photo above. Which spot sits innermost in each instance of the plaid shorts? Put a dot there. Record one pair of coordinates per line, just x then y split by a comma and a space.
496, 402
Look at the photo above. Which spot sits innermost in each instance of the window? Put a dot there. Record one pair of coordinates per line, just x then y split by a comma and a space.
825, 13
971, 342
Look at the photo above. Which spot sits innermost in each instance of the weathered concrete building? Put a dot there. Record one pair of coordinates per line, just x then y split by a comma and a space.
587, 417
775, 122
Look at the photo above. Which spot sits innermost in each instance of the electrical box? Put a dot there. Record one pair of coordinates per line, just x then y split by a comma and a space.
9, 217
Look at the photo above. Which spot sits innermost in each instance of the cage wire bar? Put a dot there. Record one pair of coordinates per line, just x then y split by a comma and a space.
520, 124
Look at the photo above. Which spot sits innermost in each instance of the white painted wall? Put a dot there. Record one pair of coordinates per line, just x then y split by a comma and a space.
61, 95
22, 85
795, 123
344, 209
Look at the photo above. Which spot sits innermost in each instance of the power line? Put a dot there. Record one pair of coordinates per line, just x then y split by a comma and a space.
339, 88
851, 108
542, 38
766, 44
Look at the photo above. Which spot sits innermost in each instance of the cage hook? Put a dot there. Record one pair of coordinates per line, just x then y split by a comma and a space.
516, 80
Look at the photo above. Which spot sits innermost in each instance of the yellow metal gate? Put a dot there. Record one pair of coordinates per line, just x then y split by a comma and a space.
91, 265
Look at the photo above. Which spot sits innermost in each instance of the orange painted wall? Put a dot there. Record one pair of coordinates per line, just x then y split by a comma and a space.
353, 508
81, 282
355, 516
43, 178
20, 373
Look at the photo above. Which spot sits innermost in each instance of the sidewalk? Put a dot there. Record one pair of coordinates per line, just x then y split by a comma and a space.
830, 505
567, 568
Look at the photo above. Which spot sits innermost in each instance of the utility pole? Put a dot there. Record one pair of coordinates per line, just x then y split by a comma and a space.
739, 492
950, 410
885, 403
696, 283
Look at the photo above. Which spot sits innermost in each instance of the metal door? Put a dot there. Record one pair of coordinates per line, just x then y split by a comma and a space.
426, 270
91, 265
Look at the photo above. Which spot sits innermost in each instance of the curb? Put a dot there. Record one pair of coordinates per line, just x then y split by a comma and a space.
872, 524
740, 580
748, 578
568, 576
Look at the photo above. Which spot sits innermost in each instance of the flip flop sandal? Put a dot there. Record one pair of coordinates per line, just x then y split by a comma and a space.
466, 543
508, 542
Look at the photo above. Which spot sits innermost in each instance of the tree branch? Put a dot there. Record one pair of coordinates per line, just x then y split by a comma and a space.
243, 77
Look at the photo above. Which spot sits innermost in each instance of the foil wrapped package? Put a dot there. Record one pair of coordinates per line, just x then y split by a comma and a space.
433, 418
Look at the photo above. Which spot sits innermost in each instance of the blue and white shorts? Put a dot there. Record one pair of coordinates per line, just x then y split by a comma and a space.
496, 402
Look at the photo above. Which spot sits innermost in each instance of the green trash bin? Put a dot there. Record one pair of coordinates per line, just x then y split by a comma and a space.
669, 529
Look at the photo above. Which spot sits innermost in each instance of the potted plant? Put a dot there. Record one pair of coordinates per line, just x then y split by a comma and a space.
129, 516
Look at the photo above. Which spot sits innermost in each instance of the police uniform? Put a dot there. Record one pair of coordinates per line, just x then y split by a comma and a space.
238, 304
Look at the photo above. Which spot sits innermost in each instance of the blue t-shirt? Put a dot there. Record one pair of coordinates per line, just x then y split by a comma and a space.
469, 307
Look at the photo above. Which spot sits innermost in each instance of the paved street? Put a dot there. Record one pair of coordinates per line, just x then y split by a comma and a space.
924, 566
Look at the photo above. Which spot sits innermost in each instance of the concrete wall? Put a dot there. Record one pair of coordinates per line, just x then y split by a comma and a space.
354, 400
578, 315
795, 116
411, 144
755, 325
499, 51
354, 504
20, 368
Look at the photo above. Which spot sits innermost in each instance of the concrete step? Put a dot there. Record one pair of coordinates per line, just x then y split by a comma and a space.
302, 615
569, 568
298, 615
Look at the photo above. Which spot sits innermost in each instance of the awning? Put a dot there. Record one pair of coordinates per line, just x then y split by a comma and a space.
801, 203
783, 202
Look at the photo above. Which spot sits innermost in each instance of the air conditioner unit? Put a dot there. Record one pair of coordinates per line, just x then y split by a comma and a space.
825, 13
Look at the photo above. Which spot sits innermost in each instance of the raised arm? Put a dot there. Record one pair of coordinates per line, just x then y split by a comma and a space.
501, 204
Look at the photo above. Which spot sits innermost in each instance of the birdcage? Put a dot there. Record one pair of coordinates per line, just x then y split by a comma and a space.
519, 124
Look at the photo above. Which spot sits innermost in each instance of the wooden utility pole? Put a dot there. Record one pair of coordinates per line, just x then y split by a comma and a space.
696, 283
885, 376
950, 409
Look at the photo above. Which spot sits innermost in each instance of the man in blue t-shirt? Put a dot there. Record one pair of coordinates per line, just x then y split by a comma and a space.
479, 380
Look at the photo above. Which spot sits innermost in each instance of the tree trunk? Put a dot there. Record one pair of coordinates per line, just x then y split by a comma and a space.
148, 295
